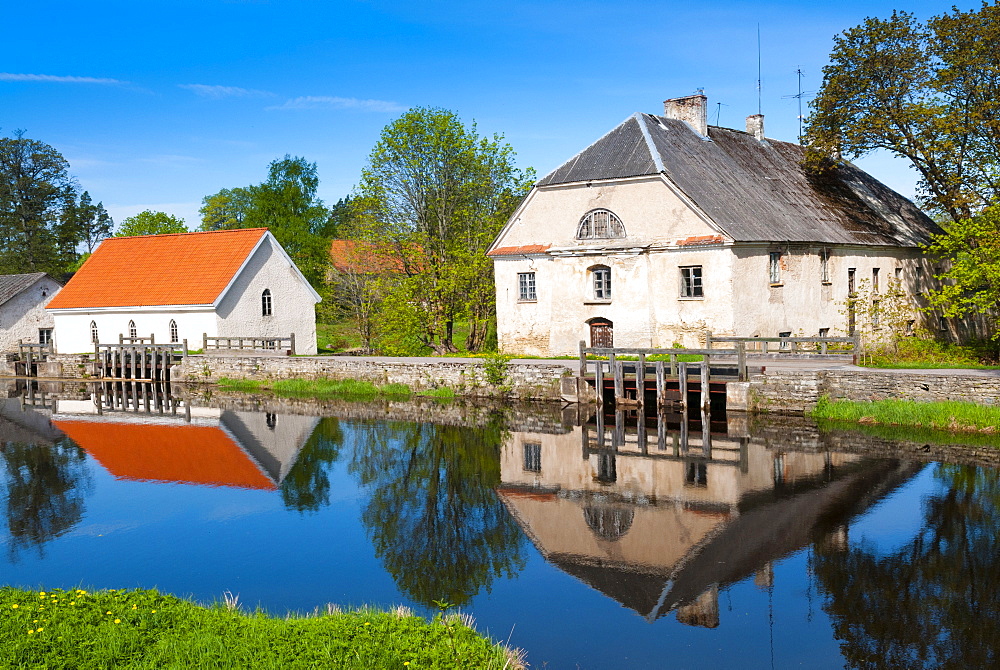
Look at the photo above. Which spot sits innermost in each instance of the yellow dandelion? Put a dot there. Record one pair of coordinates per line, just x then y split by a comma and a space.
406, 662
118, 620
367, 624
81, 592
41, 594
31, 632
39, 629
154, 611
72, 602
35, 621
134, 607
14, 606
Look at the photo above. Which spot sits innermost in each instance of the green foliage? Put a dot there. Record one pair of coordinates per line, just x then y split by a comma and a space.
145, 629
881, 317
149, 222
86, 222
39, 230
970, 281
315, 387
434, 195
285, 203
440, 392
945, 415
923, 352
497, 367
925, 92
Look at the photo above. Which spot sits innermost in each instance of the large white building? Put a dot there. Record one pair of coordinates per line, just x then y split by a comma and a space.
176, 287
666, 228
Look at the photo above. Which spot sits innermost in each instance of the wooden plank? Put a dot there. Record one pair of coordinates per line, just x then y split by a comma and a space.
583, 360
619, 377
705, 400
599, 381
661, 385
682, 380
741, 362
640, 380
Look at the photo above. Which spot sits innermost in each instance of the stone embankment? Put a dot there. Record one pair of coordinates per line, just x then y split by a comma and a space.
797, 391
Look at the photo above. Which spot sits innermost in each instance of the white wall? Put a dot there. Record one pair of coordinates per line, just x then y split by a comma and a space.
72, 331
24, 314
293, 305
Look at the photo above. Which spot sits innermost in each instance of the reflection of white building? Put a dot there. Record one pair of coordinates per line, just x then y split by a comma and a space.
661, 529
237, 283
214, 448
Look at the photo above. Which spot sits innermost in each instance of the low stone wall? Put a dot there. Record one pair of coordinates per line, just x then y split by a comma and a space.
796, 392
526, 381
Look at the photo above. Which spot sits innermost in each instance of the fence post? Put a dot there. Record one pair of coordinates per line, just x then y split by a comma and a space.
204, 343
583, 360
708, 339
682, 383
741, 361
640, 380
292, 347
705, 400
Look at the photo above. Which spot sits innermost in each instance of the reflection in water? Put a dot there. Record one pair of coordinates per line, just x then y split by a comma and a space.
307, 486
659, 519
934, 602
433, 516
45, 486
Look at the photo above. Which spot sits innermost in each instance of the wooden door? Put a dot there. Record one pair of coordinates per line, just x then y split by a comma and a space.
601, 333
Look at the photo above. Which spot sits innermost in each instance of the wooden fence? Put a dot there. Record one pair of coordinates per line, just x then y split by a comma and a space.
249, 343
771, 346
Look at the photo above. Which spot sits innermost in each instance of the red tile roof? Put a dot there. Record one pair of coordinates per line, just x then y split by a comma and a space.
700, 239
361, 257
520, 251
203, 455
181, 269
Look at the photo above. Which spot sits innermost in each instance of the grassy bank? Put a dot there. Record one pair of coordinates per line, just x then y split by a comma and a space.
146, 629
914, 353
951, 416
318, 388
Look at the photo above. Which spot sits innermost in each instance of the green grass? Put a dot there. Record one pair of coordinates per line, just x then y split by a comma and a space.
913, 434
146, 629
442, 392
948, 415
318, 388
926, 354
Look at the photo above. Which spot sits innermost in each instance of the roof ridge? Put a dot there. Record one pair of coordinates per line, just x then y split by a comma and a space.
190, 232
654, 153
577, 155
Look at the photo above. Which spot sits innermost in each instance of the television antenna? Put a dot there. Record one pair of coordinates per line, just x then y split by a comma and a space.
718, 111
799, 73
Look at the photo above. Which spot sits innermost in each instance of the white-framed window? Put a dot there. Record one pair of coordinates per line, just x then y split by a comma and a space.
600, 224
44, 335
691, 286
526, 286
131, 329
93, 332
774, 268
265, 303
601, 278
533, 456
174, 336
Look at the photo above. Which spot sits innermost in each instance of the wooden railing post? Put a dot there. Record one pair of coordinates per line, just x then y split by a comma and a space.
292, 348
741, 361
583, 359
204, 343
705, 400
708, 339
640, 379
682, 383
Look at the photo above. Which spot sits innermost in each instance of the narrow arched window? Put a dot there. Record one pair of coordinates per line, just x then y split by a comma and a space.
600, 224
93, 332
173, 332
131, 329
265, 302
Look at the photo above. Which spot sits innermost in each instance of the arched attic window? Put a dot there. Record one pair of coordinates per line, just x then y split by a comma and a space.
93, 332
131, 329
174, 337
600, 224
265, 303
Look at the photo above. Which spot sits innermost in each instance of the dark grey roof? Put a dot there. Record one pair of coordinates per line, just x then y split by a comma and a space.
753, 191
11, 285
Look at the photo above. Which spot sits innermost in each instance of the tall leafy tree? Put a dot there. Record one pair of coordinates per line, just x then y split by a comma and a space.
35, 191
287, 204
87, 222
149, 222
435, 194
926, 92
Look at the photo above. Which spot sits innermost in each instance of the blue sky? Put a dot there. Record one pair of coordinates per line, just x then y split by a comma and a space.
158, 104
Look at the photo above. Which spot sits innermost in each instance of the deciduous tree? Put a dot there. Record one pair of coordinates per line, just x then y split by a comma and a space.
149, 222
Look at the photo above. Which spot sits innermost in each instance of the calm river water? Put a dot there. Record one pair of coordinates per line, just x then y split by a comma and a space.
591, 542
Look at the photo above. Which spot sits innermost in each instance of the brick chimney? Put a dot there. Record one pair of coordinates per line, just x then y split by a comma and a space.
692, 109
755, 126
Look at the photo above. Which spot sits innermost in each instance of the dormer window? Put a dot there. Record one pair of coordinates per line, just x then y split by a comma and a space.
600, 224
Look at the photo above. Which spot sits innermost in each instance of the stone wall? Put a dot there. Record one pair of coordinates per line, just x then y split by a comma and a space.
527, 381
795, 392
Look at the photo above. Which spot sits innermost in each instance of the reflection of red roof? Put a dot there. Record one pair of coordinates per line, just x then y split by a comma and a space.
360, 257
520, 251
181, 269
203, 455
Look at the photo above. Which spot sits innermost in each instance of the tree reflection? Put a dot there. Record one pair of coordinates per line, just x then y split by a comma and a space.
934, 603
45, 488
307, 486
435, 520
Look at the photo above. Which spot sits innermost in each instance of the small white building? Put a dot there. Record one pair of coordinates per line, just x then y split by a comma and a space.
237, 283
666, 228
22, 308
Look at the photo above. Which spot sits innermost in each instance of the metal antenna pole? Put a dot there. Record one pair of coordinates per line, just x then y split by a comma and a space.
758, 71
801, 94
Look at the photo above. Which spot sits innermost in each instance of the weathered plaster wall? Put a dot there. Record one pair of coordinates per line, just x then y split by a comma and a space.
24, 314
541, 381
802, 303
293, 306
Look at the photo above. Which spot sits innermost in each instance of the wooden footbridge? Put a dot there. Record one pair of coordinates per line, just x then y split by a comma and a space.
637, 377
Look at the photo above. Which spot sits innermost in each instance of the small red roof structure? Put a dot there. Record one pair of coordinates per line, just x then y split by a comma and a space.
202, 455
178, 269
365, 258
519, 251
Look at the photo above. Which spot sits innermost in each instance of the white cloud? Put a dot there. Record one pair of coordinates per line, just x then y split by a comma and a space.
329, 102
218, 92
51, 78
